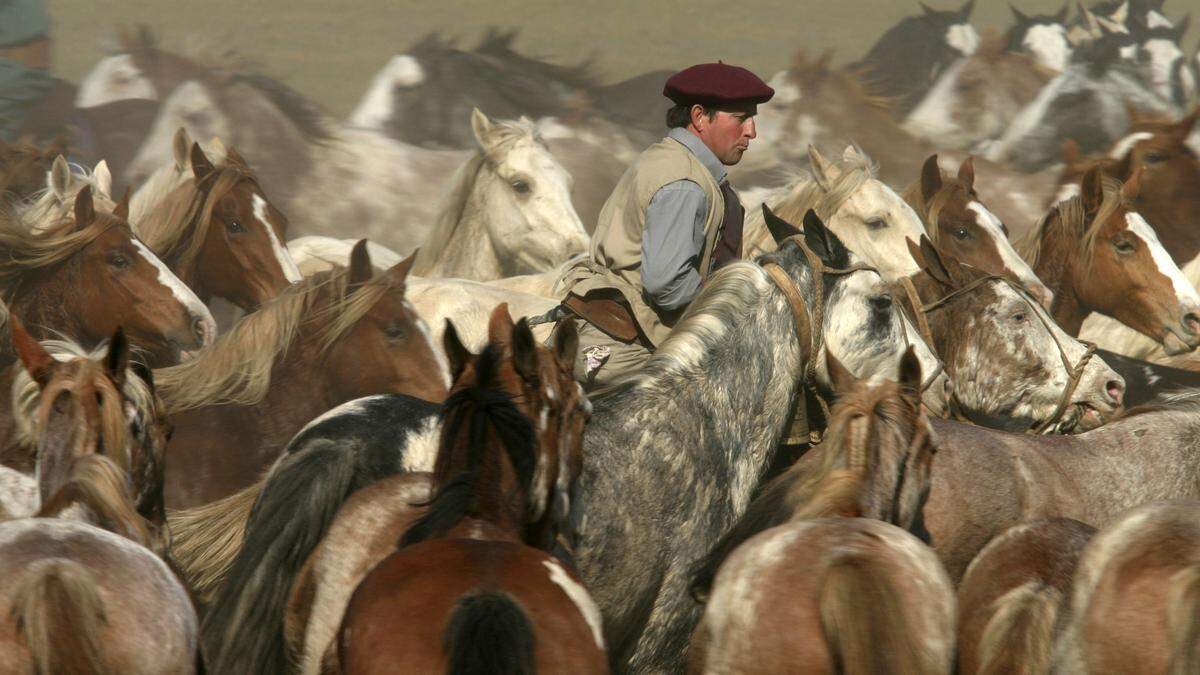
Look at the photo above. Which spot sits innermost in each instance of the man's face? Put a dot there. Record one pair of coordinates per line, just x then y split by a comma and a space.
728, 133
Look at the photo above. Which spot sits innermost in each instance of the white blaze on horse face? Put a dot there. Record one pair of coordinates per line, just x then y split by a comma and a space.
1065, 192
1015, 264
1163, 55
290, 271
439, 354
114, 78
1123, 146
185, 296
874, 222
582, 599
1048, 44
1156, 20
1185, 293
378, 105
191, 106
962, 36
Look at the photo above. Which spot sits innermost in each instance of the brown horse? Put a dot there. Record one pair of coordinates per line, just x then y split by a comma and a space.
334, 337
1012, 366
475, 567
88, 597
23, 168
959, 224
1099, 254
220, 235
89, 274
1134, 605
819, 593
1008, 601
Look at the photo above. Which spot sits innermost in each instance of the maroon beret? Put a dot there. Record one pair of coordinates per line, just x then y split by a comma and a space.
716, 83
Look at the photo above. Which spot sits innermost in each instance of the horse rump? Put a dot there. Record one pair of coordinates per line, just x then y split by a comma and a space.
61, 617
1019, 634
488, 633
1183, 621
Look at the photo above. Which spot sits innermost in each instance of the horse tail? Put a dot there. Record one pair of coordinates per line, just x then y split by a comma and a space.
97, 483
243, 632
206, 539
864, 623
488, 633
61, 617
1183, 620
1017, 639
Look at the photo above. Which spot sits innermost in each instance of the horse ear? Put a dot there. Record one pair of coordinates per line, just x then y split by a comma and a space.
565, 343
1061, 17
399, 271
102, 179
779, 228
823, 172
361, 269
500, 325
85, 209
456, 353
232, 156
144, 372
482, 127
201, 167
935, 266
1020, 18
121, 210
840, 378
914, 251
58, 146
966, 172
823, 242
1092, 189
34, 357
910, 374
931, 178
117, 360
967, 9
1132, 187
929, 11
181, 145
1183, 128
59, 180
524, 351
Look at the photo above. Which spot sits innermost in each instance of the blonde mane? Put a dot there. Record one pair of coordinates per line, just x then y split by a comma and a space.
806, 193
236, 369
504, 135
26, 250
45, 208
26, 397
1068, 220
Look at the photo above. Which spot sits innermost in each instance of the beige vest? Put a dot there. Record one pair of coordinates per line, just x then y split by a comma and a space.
615, 259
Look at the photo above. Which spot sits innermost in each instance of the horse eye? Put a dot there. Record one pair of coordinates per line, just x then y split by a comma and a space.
118, 261
961, 233
876, 224
1154, 158
1124, 246
520, 186
395, 331
1020, 317
234, 227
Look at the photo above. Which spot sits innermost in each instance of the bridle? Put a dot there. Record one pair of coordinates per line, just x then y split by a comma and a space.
1074, 371
808, 321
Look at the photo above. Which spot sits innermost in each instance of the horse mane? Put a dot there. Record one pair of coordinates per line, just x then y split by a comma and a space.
43, 208
929, 212
505, 134
498, 44
819, 489
308, 118
474, 409
1068, 219
236, 369
114, 424
176, 227
27, 251
806, 193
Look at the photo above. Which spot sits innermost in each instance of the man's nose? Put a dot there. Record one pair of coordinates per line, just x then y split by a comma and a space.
753, 131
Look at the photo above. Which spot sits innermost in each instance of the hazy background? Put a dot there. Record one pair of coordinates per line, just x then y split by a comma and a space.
330, 50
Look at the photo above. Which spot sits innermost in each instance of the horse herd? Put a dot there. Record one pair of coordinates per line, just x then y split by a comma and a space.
266, 407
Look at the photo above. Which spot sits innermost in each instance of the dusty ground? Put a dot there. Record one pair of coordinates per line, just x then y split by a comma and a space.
329, 50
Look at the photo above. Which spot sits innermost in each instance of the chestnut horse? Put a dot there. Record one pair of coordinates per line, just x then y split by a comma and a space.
23, 168
1134, 605
351, 447
960, 225
1008, 601
334, 337
1098, 253
220, 235
475, 567
82, 597
856, 595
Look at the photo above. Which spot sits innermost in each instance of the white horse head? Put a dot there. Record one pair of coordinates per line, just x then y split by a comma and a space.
378, 105
114, 78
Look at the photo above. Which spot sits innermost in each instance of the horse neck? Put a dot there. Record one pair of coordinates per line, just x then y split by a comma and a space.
469, 252
497, 498
298, 393
46, 304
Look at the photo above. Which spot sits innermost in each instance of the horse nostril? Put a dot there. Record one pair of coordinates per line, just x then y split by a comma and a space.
1116, 390
200, 330
881, 303
1191, 321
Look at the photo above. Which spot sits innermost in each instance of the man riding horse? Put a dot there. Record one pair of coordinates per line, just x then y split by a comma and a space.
670, 222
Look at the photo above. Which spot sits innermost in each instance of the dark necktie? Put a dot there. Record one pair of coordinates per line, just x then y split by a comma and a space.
729, 247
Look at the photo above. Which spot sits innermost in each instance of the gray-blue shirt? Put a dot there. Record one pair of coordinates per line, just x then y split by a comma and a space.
673, 239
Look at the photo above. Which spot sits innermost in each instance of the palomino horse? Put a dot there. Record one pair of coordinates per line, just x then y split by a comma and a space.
331, 338
1099, 254
1013, 367
960, 225
85, 275
976, 99
1009, 599
477, 562
856, 595
220, 235
384, 436
83, 597
1134, 605
741, 322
